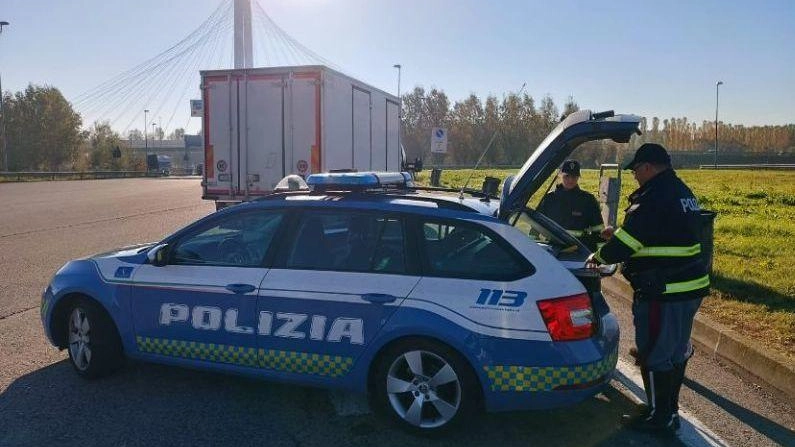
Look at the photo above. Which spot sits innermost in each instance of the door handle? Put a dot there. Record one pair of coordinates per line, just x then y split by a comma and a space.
379, 298
240, 288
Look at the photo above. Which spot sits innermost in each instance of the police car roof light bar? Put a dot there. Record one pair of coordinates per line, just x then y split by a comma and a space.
348, 181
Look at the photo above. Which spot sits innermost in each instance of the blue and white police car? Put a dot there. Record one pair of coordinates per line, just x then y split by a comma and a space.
437, 304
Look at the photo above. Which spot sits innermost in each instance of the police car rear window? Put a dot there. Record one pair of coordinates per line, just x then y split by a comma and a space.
461, 250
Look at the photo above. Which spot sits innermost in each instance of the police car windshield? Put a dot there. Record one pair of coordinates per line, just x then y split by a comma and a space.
537, 228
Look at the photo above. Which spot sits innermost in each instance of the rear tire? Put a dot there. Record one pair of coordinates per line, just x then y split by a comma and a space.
425, 387
94, 345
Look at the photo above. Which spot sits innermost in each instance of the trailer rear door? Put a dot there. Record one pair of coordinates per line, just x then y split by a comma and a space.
362, 155
220, 130
263, 142
393, 158
304, 125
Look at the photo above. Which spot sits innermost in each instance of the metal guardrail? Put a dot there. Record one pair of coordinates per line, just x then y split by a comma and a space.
775, 166
19, 176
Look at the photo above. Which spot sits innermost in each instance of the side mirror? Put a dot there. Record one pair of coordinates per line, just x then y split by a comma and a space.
158, 255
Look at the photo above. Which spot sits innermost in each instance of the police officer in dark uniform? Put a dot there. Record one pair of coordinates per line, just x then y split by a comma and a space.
572, 208
660, 246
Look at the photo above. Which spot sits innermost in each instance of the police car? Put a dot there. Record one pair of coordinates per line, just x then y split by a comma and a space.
437, 304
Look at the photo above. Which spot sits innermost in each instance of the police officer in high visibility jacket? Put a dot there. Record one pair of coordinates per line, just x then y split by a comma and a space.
660, 246
572, 208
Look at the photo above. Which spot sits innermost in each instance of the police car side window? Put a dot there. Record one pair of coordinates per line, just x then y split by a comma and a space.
466, 251
348, 241
237, 240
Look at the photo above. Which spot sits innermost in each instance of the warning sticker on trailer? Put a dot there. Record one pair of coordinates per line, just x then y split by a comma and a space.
302, 166
221, 166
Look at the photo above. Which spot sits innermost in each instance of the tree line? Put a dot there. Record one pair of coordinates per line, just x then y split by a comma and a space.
517, 123
44, 132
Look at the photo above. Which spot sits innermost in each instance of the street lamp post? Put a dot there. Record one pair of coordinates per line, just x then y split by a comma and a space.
146, 140
717, 90
400, 115
3, 115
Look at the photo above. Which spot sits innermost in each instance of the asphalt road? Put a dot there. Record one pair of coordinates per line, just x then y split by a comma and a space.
42, 401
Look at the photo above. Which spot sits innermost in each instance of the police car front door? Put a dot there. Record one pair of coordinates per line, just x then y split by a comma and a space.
201, 307
336, 284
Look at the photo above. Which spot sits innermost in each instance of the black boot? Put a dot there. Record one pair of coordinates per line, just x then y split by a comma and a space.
676, 385
660, 419
642, 410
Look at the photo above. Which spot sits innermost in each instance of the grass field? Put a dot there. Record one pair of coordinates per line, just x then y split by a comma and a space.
754, 267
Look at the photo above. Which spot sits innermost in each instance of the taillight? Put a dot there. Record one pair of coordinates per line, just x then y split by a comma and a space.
569, 317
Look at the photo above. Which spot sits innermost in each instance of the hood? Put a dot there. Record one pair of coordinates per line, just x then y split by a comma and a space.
576, 129
129, 251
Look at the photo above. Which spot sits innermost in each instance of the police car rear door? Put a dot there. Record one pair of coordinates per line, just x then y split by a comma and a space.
576, 129
201, 306
338, 280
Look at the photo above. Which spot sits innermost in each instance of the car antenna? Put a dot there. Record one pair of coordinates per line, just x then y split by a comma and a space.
488, 146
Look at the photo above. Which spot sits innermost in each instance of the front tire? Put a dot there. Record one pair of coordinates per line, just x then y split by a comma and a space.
95, 348
425, 387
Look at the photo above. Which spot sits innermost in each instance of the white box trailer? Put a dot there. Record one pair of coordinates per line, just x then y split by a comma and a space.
261, 124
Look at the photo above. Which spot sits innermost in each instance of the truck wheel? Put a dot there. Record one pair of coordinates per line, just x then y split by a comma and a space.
95, 348
425, 387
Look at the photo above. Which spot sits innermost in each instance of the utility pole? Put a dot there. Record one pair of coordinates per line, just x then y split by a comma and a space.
3, 128
146, 140
3, 116
717, 90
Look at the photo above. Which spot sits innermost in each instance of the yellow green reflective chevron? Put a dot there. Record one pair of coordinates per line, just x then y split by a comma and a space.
628, 240
547, 378
287, 361
672, 252
687, 286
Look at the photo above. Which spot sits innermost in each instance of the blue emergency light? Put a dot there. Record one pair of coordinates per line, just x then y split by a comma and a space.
345, 181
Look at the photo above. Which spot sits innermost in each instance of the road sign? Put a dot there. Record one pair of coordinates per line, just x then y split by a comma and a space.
196, 107
439, 140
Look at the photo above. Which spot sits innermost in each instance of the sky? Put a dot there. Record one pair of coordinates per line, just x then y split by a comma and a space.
641, 57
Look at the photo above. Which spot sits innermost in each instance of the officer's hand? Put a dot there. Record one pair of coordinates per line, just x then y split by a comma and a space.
607, 233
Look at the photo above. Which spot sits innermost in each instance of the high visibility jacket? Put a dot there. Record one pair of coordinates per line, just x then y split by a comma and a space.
575, 210
661, 239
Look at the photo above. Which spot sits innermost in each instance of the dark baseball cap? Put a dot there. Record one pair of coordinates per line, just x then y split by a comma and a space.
649, 153
571, 167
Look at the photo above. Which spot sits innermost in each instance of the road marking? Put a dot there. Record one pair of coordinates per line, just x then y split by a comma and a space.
17, 312
693, 432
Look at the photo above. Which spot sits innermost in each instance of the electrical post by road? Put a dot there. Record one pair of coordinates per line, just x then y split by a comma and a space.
717, 90
146, 140
3, 116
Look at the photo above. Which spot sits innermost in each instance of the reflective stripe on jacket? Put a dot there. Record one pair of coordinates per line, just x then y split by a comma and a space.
662, 231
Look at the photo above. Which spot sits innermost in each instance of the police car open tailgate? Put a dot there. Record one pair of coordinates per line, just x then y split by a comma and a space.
576, 129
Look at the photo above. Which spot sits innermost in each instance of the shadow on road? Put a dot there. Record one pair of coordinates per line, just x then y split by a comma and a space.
778, 433
155, 405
